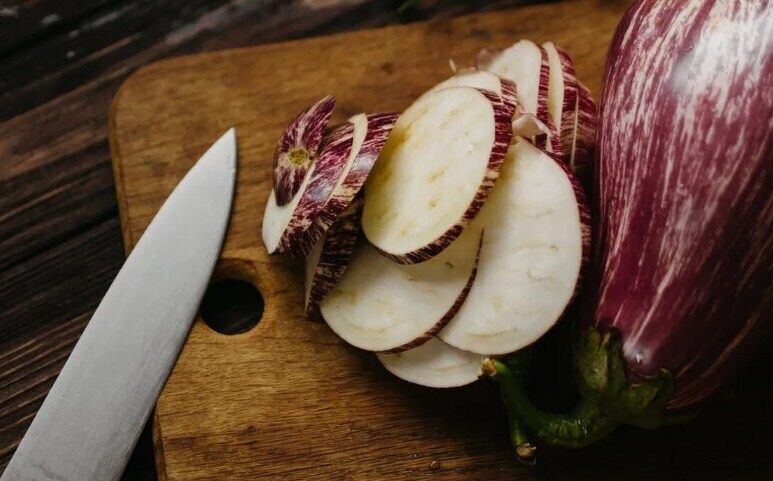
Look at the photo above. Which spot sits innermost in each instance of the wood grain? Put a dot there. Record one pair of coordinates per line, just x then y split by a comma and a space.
288, 400
60, 65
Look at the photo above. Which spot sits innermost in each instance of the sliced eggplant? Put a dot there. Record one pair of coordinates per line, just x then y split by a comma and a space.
552, 141
484, 80
527, 66
434, 364
380, 305
370, 134
291, 228
347, 156
578, 114
330, 256
520, 63
297, 149
536, 239
435, 172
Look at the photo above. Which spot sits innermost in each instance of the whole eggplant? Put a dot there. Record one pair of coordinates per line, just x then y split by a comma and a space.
684, 205
685, 190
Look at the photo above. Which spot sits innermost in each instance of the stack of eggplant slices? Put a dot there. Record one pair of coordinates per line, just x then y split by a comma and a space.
454, 231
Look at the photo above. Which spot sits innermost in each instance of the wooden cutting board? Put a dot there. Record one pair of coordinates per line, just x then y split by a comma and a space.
288, 400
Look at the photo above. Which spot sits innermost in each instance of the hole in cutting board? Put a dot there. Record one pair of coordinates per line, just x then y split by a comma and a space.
231, 306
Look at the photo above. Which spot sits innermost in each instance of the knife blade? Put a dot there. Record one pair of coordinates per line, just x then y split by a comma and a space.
91, 419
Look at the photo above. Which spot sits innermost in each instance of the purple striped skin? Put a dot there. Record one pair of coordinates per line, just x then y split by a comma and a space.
378, 126
302, 232
337, 249
298, 147
503, 134
327, 198
584, 153
508, 92
684, 179
578, 122
443, 321
569, 108
552, 141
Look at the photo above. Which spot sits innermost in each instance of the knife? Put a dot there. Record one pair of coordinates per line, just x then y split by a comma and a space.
88, 424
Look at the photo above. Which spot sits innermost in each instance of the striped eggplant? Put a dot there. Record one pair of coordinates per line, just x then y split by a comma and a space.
686, 190
684, 198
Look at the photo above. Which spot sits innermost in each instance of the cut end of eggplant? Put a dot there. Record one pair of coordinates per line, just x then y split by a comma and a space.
526, 453
294, 228
435, 171
530, 258
337, 175
297, 149
278, 219
434, 364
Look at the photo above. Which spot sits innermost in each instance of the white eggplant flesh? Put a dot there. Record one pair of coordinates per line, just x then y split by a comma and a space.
483, 80
536, 239
435, 172
519, 63
380, 305
434, 364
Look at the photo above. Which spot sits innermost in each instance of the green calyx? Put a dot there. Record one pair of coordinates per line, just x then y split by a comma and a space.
607, 397
600, 374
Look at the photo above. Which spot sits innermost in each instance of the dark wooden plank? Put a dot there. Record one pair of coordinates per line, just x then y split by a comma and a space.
136, 32
53, 295
88, 49
82, 192
26, 21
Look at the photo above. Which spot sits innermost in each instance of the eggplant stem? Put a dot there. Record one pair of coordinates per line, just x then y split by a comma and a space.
581, 427
525, 451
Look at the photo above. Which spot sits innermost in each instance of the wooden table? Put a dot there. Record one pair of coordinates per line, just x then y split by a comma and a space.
60, 244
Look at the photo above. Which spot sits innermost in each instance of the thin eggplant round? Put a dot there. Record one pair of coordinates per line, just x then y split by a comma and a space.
434, 364
435, 172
